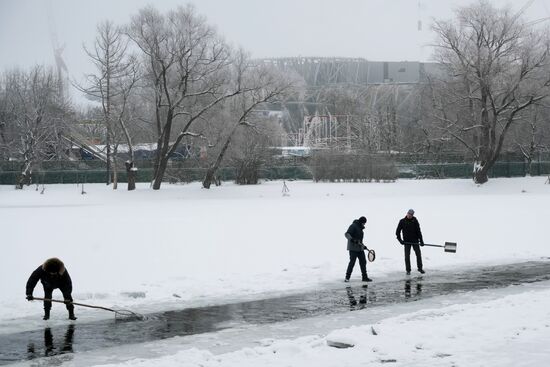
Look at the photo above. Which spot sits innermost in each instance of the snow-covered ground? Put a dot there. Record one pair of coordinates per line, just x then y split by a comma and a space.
510, 331
184, 246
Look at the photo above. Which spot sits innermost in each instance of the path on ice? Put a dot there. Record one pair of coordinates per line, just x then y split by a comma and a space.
334, 299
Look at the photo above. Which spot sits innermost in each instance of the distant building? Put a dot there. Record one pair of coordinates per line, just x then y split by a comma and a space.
393, 72
318, 71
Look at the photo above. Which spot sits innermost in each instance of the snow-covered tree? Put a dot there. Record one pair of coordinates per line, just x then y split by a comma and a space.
33, 114
532, 135
186, 69
495, 65
261, 84
112, 85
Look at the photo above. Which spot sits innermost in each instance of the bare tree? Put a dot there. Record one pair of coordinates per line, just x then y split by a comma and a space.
34, 116
187, 72
494, 63
250, 152
532, 135
6, 127
261, 84
112, 85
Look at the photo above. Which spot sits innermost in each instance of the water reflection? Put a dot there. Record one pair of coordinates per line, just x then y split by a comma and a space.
408, 288
353, 305
51, 348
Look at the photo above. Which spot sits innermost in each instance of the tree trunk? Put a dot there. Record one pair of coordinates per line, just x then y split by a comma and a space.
209, 177
530, 166
131, 172
108, 158
25, 178
159, 174
163, 144
211, 173
114, 167
115, 171
481, 170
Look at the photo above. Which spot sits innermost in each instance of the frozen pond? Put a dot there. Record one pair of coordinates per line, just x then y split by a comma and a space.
333, 299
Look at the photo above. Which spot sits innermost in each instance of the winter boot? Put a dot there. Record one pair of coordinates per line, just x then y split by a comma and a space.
366, 279
46, 314
421, 271
71, 315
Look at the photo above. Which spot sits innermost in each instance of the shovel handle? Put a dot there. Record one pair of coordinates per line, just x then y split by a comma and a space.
426, 244
73, 303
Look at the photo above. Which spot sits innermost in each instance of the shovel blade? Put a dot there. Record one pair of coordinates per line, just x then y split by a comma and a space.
450, 247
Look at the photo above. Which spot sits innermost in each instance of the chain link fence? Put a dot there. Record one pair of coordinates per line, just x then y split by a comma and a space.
352, 168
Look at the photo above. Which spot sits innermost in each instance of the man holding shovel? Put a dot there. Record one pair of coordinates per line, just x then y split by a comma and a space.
52, 274
412, 237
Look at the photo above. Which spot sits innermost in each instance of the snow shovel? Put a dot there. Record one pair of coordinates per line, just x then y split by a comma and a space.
448, 247
119, 314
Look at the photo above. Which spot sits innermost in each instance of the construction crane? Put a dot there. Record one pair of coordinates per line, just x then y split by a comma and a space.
523, 8
61, 66
533, 22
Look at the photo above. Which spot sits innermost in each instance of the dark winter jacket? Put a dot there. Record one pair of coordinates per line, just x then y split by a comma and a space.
354, 234
411, 230
60, 279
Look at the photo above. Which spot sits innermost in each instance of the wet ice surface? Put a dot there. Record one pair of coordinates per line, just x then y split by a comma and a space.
334, 299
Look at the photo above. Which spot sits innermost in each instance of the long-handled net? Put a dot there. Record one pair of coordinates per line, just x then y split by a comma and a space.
371, 254
120, 314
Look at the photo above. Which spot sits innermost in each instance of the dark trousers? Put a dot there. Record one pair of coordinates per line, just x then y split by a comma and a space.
354, 255
66, 296
416, 249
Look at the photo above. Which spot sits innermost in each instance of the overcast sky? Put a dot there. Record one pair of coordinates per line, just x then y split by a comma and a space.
381, 30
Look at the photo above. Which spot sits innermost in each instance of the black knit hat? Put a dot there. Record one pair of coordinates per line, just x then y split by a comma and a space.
363, 220
52, 265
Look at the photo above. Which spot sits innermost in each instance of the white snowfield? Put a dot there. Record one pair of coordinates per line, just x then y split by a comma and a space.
184, 246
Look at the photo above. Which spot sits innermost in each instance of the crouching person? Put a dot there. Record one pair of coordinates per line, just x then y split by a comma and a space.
53, 275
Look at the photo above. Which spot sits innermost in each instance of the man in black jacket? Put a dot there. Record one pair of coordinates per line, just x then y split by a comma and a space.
356, 249
412, 237
52, 274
